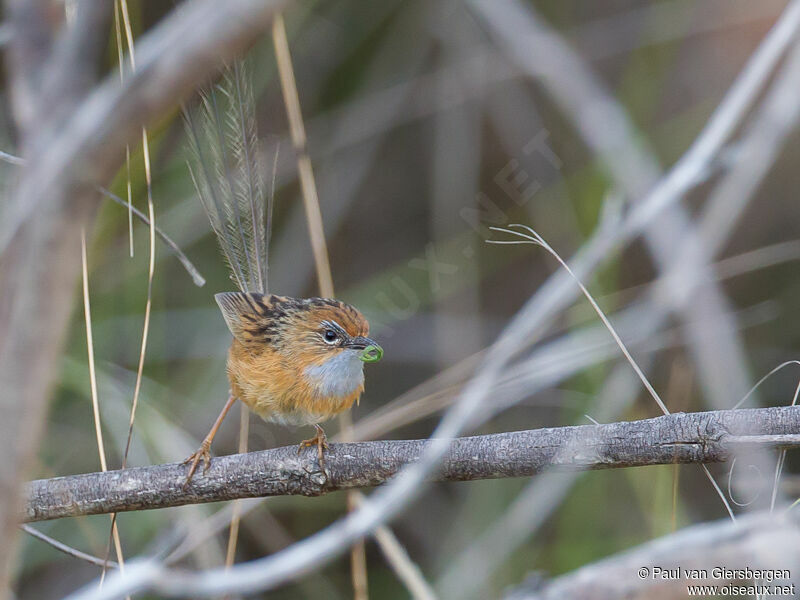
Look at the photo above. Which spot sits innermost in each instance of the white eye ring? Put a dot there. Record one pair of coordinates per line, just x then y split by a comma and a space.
330, 337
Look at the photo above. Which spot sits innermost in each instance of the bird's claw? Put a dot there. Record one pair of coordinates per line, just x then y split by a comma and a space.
202, 453
320, 440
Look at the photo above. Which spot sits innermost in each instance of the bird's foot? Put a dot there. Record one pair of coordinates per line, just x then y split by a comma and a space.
203, 453
320, 440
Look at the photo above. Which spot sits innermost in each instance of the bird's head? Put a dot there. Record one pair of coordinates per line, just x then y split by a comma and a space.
312, 331
325, 328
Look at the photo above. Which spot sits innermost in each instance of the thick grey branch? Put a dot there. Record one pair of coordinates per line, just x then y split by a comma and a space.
680, 438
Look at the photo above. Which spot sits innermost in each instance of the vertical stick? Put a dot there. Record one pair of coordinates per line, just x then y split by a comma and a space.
120, 55
236, 518
244, 431
306, 173
152, 261
358, 561
98, 429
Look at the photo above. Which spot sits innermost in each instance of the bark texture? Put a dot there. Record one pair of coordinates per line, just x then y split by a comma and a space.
704, 437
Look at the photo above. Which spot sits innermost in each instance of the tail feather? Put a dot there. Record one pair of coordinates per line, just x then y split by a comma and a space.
250, 189
226, 173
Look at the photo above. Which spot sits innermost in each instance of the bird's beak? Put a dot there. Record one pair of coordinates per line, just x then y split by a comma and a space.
370, 349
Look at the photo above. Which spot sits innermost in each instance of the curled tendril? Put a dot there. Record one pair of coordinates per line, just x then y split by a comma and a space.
371, 354
759, 487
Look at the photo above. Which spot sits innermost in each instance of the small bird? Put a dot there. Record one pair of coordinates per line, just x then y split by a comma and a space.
293, 361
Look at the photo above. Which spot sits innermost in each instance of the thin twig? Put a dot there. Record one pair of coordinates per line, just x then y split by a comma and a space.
118, 39
149, 301
305, 170
406, 570
233, 537
114, 533
781, 459
198, 279
529, 236
90, 351
62, 547
11, 159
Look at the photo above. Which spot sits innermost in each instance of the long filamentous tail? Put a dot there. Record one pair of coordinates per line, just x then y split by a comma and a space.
226, 171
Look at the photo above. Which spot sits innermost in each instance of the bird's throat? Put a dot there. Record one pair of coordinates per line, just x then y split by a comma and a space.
339, 376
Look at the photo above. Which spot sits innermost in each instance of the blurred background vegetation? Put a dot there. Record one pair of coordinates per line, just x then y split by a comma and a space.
420, 129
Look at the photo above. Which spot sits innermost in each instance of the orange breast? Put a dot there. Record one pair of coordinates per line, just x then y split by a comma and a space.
274, 387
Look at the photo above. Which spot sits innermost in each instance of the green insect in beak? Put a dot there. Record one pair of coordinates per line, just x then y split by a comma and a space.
372, 353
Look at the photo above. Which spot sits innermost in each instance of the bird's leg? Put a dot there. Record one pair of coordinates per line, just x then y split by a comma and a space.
320, 440
203, 452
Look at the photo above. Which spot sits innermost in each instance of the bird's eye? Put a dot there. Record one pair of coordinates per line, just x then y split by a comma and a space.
330, 336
